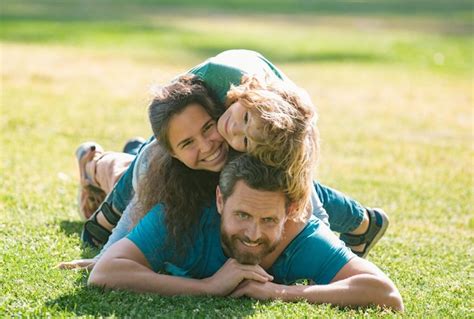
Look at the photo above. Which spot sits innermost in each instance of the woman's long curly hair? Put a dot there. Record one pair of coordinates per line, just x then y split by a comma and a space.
182, 191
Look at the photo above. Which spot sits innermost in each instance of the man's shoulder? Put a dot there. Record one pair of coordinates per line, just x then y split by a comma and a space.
316, 253
315, 234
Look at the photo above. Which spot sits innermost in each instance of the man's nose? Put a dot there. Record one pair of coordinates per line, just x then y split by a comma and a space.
253, 232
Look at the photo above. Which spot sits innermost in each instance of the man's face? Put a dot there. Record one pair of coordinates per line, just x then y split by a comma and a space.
251, 222
195, 141
238, 125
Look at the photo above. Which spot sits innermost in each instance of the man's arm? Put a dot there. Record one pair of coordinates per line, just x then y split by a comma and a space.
124, 266
358, 283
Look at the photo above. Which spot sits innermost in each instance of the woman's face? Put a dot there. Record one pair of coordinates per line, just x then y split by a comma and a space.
237, 124
195, 141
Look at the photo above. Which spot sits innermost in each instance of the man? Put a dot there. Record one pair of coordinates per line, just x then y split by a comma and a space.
222, 260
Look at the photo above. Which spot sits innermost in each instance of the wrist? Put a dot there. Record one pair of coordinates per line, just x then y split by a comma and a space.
207, 287
289, 293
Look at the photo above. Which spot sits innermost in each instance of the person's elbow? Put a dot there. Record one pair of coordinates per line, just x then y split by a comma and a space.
395, 300
96, 278
100, 275
388, 294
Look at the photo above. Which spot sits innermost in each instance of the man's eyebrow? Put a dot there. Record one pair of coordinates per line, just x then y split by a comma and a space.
238, 211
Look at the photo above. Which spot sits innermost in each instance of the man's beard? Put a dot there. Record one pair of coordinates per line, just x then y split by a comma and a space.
230, 244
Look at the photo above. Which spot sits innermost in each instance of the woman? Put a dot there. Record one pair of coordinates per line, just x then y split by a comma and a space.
177, 175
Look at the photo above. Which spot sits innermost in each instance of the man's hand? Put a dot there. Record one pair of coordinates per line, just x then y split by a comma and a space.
231, 274
77, 264
259, 290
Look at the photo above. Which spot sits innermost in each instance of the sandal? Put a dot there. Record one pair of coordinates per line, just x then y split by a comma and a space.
378, 224
96, 234
89, 194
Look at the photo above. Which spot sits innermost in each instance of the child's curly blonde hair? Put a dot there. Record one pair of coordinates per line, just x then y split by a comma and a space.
289, 137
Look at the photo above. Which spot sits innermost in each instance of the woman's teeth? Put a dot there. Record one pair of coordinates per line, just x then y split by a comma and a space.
212, 157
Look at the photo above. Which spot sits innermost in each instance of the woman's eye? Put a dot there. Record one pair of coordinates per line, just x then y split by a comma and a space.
245, 143
184, 145
207, 127
246, 117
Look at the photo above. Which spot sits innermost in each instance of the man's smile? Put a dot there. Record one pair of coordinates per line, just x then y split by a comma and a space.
250, 244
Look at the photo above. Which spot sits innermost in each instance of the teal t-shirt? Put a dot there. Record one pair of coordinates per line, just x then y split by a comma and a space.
315, 254
228, 67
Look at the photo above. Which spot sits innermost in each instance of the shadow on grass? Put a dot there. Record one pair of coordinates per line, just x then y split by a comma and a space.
89, 10
286, 56
155, 37
99, 302
71, 228
74, 229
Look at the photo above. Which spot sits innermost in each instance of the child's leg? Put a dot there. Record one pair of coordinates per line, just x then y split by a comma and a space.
345, 214
360, 228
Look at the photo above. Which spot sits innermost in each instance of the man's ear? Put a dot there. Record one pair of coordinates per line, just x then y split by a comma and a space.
291, 210
219, 200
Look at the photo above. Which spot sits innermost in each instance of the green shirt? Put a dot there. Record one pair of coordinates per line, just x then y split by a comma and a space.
228, 67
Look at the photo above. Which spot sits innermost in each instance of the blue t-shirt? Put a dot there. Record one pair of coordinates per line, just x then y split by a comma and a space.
315, 254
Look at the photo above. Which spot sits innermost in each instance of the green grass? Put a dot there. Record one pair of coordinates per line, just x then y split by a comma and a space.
394, 91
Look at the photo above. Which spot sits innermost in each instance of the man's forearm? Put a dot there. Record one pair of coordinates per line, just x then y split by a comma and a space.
359, 290
120, 273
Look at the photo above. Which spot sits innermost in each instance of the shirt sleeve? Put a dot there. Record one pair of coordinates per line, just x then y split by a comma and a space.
142, 163
150, 236
317, 255
317, 208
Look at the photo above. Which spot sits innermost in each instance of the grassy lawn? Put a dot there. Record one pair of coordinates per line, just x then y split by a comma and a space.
393, 84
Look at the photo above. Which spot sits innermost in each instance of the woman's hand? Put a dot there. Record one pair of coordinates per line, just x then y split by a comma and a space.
77, 264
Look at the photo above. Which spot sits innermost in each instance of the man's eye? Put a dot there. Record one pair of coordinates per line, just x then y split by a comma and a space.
242, 215
269, 220
245, 143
